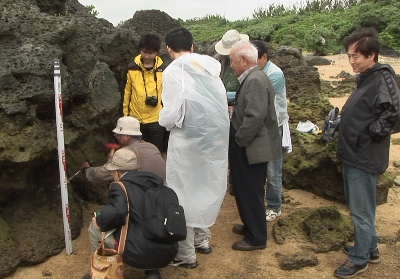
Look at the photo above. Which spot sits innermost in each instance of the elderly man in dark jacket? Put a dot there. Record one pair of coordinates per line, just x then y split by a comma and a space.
367, 120
254, 140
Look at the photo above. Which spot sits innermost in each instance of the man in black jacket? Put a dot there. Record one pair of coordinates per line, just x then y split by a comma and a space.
367, 120
139, 252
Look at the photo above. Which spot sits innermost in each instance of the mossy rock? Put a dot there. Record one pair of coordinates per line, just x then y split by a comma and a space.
328, 229
320, 230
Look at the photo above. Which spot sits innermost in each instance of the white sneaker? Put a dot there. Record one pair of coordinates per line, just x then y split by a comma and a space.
271, 215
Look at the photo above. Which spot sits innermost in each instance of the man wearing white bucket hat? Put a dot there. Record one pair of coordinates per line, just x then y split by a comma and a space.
231, 37
230, 81
223, 48
127, 133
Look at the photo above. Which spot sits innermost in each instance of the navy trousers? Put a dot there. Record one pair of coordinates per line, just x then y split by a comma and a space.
248, 183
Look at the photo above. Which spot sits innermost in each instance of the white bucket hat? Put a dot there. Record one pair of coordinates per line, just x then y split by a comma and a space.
231, 37
128, 125
123, 159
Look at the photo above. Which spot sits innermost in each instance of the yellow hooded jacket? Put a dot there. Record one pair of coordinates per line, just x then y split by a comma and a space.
141, 84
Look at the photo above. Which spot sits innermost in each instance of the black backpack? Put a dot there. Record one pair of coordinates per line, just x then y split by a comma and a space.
150, 244
164, 219
331, 124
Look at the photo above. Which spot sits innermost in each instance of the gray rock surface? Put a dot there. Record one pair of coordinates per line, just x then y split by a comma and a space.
296, 261
316, 60
93, 55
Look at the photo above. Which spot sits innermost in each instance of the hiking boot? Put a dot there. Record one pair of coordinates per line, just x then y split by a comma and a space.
271, 215
349, 269
238, 229
203, 247
373, 254
242, 245
178, 262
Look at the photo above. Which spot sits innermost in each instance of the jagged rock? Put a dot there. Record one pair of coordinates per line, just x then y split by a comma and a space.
93, 56
296, 261
328, 229
46, 273
316, 60
319, 230
396, 163
343, 74
92, 53
396, 181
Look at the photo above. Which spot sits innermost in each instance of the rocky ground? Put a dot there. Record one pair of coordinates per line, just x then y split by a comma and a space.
227, 263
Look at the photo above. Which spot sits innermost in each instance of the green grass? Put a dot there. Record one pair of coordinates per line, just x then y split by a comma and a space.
319, 25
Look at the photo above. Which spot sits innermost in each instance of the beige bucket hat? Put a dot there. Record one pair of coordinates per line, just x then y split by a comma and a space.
128, 125
231, 37
123, 159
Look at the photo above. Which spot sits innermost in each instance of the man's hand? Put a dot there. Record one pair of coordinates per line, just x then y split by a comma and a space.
110, 155
85, 165
95, 223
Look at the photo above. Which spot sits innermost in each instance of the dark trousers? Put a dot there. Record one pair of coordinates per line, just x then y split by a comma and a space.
248, 183
153, 133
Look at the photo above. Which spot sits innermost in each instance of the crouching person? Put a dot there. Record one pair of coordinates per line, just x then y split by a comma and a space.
139, 252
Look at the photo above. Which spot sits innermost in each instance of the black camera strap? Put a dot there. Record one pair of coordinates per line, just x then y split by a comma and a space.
144, 81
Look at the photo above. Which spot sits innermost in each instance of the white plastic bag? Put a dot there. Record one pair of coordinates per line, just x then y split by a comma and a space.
307, 127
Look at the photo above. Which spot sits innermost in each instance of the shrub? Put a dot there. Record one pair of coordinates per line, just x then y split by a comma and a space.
319, 40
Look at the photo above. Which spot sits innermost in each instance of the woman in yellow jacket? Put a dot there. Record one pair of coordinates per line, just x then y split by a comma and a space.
142, 96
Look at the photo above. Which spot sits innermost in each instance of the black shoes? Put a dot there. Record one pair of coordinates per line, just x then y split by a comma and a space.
153, 274
349, 269
238, 229
373, 254
203, 247
180, 263
242, 245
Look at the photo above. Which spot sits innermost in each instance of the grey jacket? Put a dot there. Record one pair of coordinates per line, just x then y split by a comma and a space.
150, 160
254, 119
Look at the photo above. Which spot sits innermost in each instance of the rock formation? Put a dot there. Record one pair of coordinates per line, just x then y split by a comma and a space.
93, 55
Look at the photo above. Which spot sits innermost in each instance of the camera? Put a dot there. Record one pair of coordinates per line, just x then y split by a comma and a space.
231, 98
151, 101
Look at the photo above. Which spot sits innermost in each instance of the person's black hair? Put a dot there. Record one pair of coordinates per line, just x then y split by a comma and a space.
150, 42
261, 48
179, 39
366, 40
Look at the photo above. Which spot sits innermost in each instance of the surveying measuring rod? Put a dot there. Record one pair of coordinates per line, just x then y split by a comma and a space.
62, 165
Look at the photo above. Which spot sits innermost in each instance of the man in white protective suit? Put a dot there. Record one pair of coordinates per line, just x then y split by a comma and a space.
196, 114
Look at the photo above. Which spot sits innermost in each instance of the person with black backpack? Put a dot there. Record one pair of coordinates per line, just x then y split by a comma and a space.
142, 90
140, 251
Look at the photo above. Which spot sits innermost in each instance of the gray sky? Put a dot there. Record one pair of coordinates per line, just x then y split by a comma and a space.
116, 11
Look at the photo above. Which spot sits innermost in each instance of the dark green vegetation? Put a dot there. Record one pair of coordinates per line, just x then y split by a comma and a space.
319, 26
